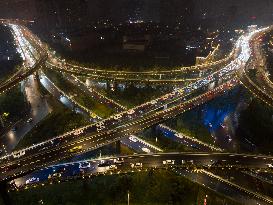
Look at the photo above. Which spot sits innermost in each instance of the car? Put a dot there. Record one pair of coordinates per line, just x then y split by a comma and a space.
55, 141
134, 139
32, 180
18, 154
84, 165
130, 112
116, 117
112, 167
153, 102
103, 167
136, 165
144, 149
59, 170
168, 162
75, 149
118, 161
29, 120
78, 132
55, 175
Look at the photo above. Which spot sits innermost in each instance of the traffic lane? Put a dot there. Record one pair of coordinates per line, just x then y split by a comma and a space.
94, 93
260, 94
192, 143
126, 162
137, 145
226, 160
21, 77
89, 129
221, 187
209, 96
177, 75
53, 91
165, 97
158, 116
132, 141
62, 98
257, 91
262, 78
39, 109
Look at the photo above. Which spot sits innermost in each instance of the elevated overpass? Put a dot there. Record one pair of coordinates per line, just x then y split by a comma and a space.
34, 56
85, 139
194, 166
125, 123
259, 85
173, 76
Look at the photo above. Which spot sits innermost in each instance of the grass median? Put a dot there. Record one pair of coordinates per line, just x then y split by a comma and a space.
79, 96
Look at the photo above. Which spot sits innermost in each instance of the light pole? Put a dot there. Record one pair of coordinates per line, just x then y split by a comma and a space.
128, 197
1, 121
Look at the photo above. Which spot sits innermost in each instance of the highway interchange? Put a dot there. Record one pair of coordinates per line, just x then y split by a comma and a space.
225, 74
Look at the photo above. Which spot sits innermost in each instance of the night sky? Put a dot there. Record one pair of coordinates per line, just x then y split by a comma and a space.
237, 11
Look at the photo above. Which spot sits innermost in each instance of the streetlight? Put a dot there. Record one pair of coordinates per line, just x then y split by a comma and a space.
1, 121
128, 197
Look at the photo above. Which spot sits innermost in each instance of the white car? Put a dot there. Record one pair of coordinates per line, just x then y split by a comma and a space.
112, 167
116, 117
32, 180
84, 165
153, 102
130, 112
133, 139
118, 161
136, 165
29, 120
168, 162
18, 154
103, 167
144, 149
